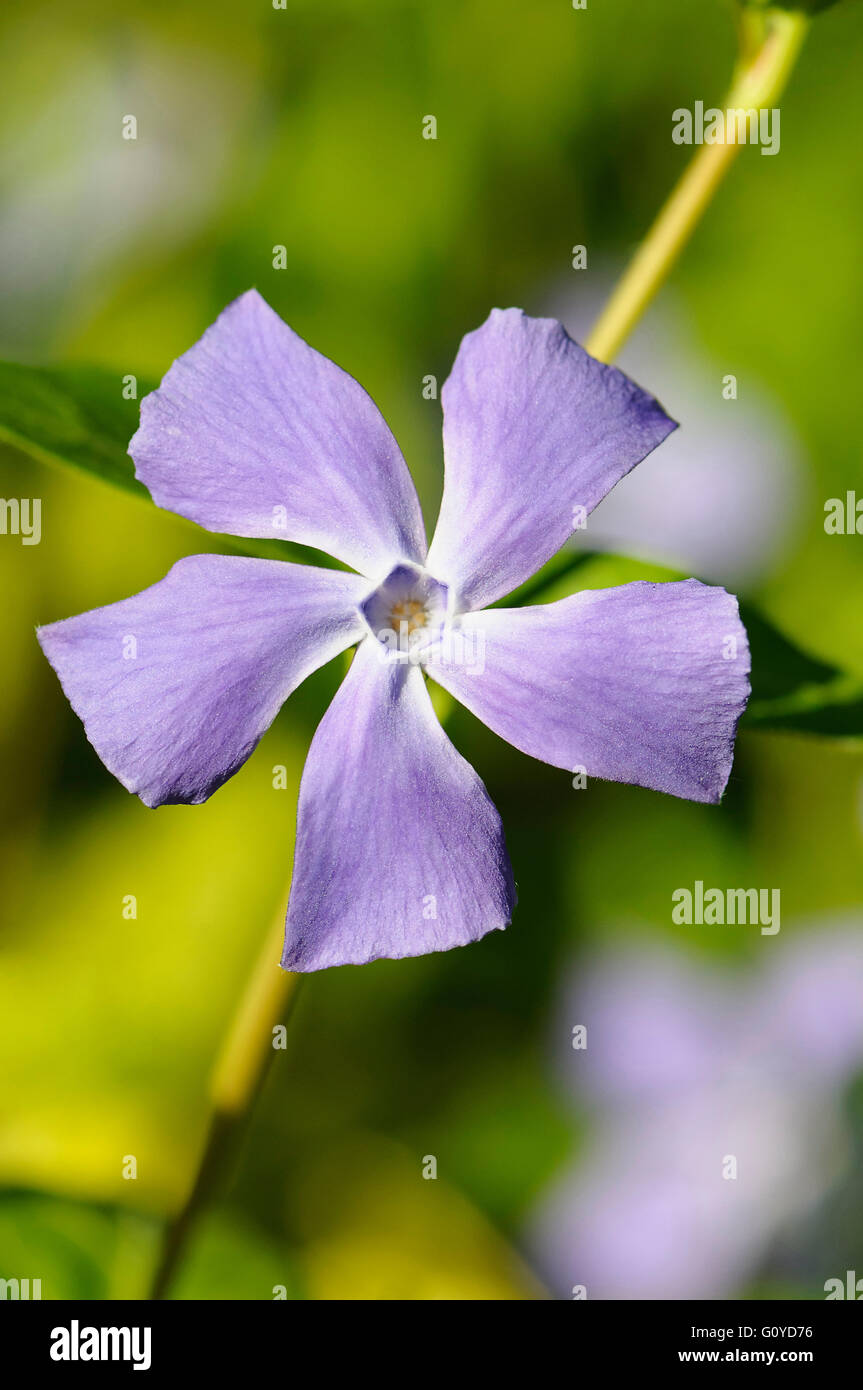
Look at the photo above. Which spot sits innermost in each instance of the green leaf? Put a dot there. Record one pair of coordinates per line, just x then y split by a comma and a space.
71, 415
230, 1260
77, 417
76, 1250
779, 667
835, 710
795, 691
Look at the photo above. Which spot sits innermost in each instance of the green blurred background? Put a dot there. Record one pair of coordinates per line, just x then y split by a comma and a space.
256, 128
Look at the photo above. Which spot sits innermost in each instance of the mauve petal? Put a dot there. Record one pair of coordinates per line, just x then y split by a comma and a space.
399, 849
221, 643
632, 683
252, 420
533, 428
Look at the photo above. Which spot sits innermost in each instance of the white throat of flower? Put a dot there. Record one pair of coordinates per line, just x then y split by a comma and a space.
407, 611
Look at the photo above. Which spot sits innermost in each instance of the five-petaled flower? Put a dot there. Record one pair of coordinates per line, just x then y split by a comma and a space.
399, 849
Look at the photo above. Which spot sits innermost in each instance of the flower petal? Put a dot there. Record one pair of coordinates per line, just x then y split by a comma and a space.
399, 849
643, 683
177, 684
534, 429
254, 433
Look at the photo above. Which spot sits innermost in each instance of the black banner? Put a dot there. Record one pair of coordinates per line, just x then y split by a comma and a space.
82, 1339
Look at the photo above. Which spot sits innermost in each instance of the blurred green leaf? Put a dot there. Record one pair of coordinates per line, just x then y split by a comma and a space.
77, 416
795, 691
79, 1250
71, 415
374, 1230
835, 710
779, 667
73, 1248
229, 1259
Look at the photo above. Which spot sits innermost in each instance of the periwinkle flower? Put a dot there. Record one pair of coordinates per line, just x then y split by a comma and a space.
399, 849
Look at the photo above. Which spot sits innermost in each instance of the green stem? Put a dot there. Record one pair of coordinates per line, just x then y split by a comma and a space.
760, 78
235, 1082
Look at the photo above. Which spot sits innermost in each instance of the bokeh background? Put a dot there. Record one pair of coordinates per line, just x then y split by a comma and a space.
556, 1167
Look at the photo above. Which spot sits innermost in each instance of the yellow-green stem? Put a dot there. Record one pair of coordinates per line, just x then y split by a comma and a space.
235, 1081
757, 83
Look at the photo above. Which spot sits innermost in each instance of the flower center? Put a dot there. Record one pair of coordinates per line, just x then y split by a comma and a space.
410, 611
407, 610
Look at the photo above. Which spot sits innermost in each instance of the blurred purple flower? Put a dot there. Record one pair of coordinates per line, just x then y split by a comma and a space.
399, 849
686, 1068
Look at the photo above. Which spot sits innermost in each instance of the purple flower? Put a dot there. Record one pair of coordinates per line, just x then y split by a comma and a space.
399, 848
